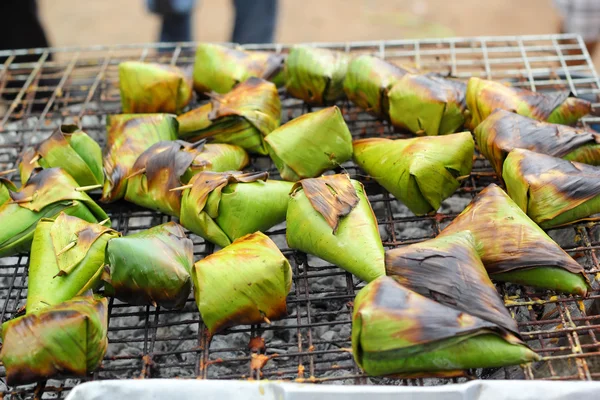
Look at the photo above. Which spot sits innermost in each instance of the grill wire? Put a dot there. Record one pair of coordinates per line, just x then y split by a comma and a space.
312, 344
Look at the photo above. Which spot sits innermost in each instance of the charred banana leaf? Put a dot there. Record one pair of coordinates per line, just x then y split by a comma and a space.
168, 165
219, 69
67, 339
47, 193
311, 144
427, 104
150, 267
513, 248
315, 75
242, 117
67, 259
504, 131
222, 207
484, 96
332, 218
420, 172
398, 331
129, 135
448, 270
68, 148
368, 82
552, 191
245, 283
6, 186
153, 88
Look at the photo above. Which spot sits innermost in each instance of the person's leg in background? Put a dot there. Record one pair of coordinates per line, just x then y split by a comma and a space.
176, 25
581, 17
255, 21
21, 28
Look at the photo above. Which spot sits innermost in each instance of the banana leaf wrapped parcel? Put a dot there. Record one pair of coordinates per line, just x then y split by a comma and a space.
484, 96
421, 172
398, 331
67, 260
331, 218
427, 104
311, 144
168, 165
68, 338
550, 190
222, 207
219, 68
150, 267
315, 75
245, 283
504, 131
128, 136
68, 148
242, 117
6, 186
515, 249
368, 82
152, 88
47, 193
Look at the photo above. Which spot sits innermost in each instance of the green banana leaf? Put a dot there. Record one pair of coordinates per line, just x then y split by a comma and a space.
68, 148
483, 97
128, 136
504, 131
427, 104
513, 248
222, 207
66, 339
448, 270
46, 194
315, 75
152, 88
368, 82
6, 186
550, 190
311, 144
168, 165
332, 218
420, 172
398, 331
219, 68
67, 259
242, 117
150, 267
245, 283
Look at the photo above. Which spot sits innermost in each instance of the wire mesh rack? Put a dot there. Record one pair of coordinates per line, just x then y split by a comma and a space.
42, 88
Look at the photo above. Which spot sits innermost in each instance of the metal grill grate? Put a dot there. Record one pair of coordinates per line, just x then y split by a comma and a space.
79, 85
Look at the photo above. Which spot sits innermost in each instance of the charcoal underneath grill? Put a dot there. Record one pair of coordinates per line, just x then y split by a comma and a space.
312, 344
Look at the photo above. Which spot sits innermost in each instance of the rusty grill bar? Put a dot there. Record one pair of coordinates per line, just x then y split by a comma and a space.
312, 344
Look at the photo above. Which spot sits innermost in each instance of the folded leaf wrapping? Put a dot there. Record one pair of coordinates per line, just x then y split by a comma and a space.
219, 68
504, 131
513, 248
47, 193
128, 136
484, 96
6, 187
421, 172
368, 81
552, 191
150, 267
245, 283
67, 259
243, 116
311, 144
332, 218
168, 165
69, 338
398, 331
151, 88
315, 75
427, 104
68, 148
222, 207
